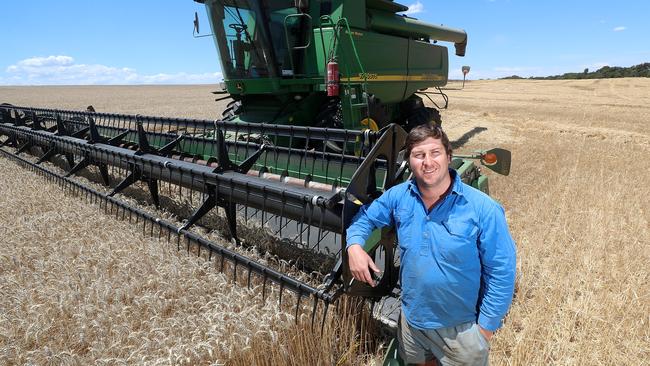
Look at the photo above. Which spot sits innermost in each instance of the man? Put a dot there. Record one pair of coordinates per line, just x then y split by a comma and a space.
457, 268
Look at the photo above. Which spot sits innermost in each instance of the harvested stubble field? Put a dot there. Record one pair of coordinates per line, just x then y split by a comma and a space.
77, 286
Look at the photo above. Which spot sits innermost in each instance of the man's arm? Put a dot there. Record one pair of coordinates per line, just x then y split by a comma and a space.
498, 259
370, 217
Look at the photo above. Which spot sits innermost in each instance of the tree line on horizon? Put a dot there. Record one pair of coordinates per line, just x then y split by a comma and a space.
605, 72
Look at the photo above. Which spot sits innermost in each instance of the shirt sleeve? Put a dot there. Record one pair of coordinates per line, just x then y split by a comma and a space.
498, 259
375, 215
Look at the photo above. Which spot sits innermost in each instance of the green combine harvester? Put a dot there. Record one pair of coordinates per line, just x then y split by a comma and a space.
322, 95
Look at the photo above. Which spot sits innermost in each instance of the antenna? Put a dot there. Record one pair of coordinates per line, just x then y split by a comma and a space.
465, 72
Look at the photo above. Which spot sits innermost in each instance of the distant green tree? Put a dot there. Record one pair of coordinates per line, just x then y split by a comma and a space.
641, 70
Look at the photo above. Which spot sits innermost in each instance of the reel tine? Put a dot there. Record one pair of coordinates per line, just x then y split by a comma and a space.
191, 190
180, 188
169, 179
236, 147
327, 168
234, 272
291, 135
249, 277
198, 251
313, 311
309, 226
247, 188
299, 296
286, 223
304, 157
283, 198
205, 141
264, 288
345, 143
263, 204
270, 218
320, 229
155, 124
322, 325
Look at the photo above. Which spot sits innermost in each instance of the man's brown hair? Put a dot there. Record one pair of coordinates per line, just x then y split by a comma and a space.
423, 132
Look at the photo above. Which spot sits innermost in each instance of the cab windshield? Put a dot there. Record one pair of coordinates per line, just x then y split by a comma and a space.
250, 36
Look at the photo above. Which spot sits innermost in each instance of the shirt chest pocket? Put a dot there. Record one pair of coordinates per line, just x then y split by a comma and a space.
403, 224
460, 242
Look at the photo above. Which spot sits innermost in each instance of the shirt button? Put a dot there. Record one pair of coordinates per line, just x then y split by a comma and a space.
428, 218
426, 234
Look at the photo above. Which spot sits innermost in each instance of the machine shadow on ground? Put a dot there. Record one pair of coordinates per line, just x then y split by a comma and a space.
458, 143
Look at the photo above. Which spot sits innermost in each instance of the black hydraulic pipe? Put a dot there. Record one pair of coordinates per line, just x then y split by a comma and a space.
243, 127
270, 196
244, 146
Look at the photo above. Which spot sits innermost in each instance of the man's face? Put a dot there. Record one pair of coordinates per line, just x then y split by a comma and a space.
429, 163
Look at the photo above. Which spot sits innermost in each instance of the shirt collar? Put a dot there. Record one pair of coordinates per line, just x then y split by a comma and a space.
456, 183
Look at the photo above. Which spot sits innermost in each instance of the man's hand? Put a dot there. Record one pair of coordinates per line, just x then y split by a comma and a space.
486, 333
360, 264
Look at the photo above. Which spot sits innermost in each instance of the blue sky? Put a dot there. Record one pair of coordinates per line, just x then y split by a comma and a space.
150, 42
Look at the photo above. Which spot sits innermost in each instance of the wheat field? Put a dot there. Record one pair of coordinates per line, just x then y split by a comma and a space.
80, 287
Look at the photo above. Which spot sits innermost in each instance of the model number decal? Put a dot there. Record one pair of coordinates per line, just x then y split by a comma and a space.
368, 75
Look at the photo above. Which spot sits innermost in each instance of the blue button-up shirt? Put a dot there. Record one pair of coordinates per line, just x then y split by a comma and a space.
457, 260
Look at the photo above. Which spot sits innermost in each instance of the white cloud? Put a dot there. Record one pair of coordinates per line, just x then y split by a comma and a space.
619, 29
415, 8
62, 70
47, 61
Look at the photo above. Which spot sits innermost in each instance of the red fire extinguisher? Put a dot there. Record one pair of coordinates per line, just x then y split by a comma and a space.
332, 78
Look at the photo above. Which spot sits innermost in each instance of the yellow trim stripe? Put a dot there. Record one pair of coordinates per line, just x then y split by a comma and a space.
396, 78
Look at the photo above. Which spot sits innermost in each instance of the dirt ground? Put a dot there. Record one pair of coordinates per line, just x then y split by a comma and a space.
576, 201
